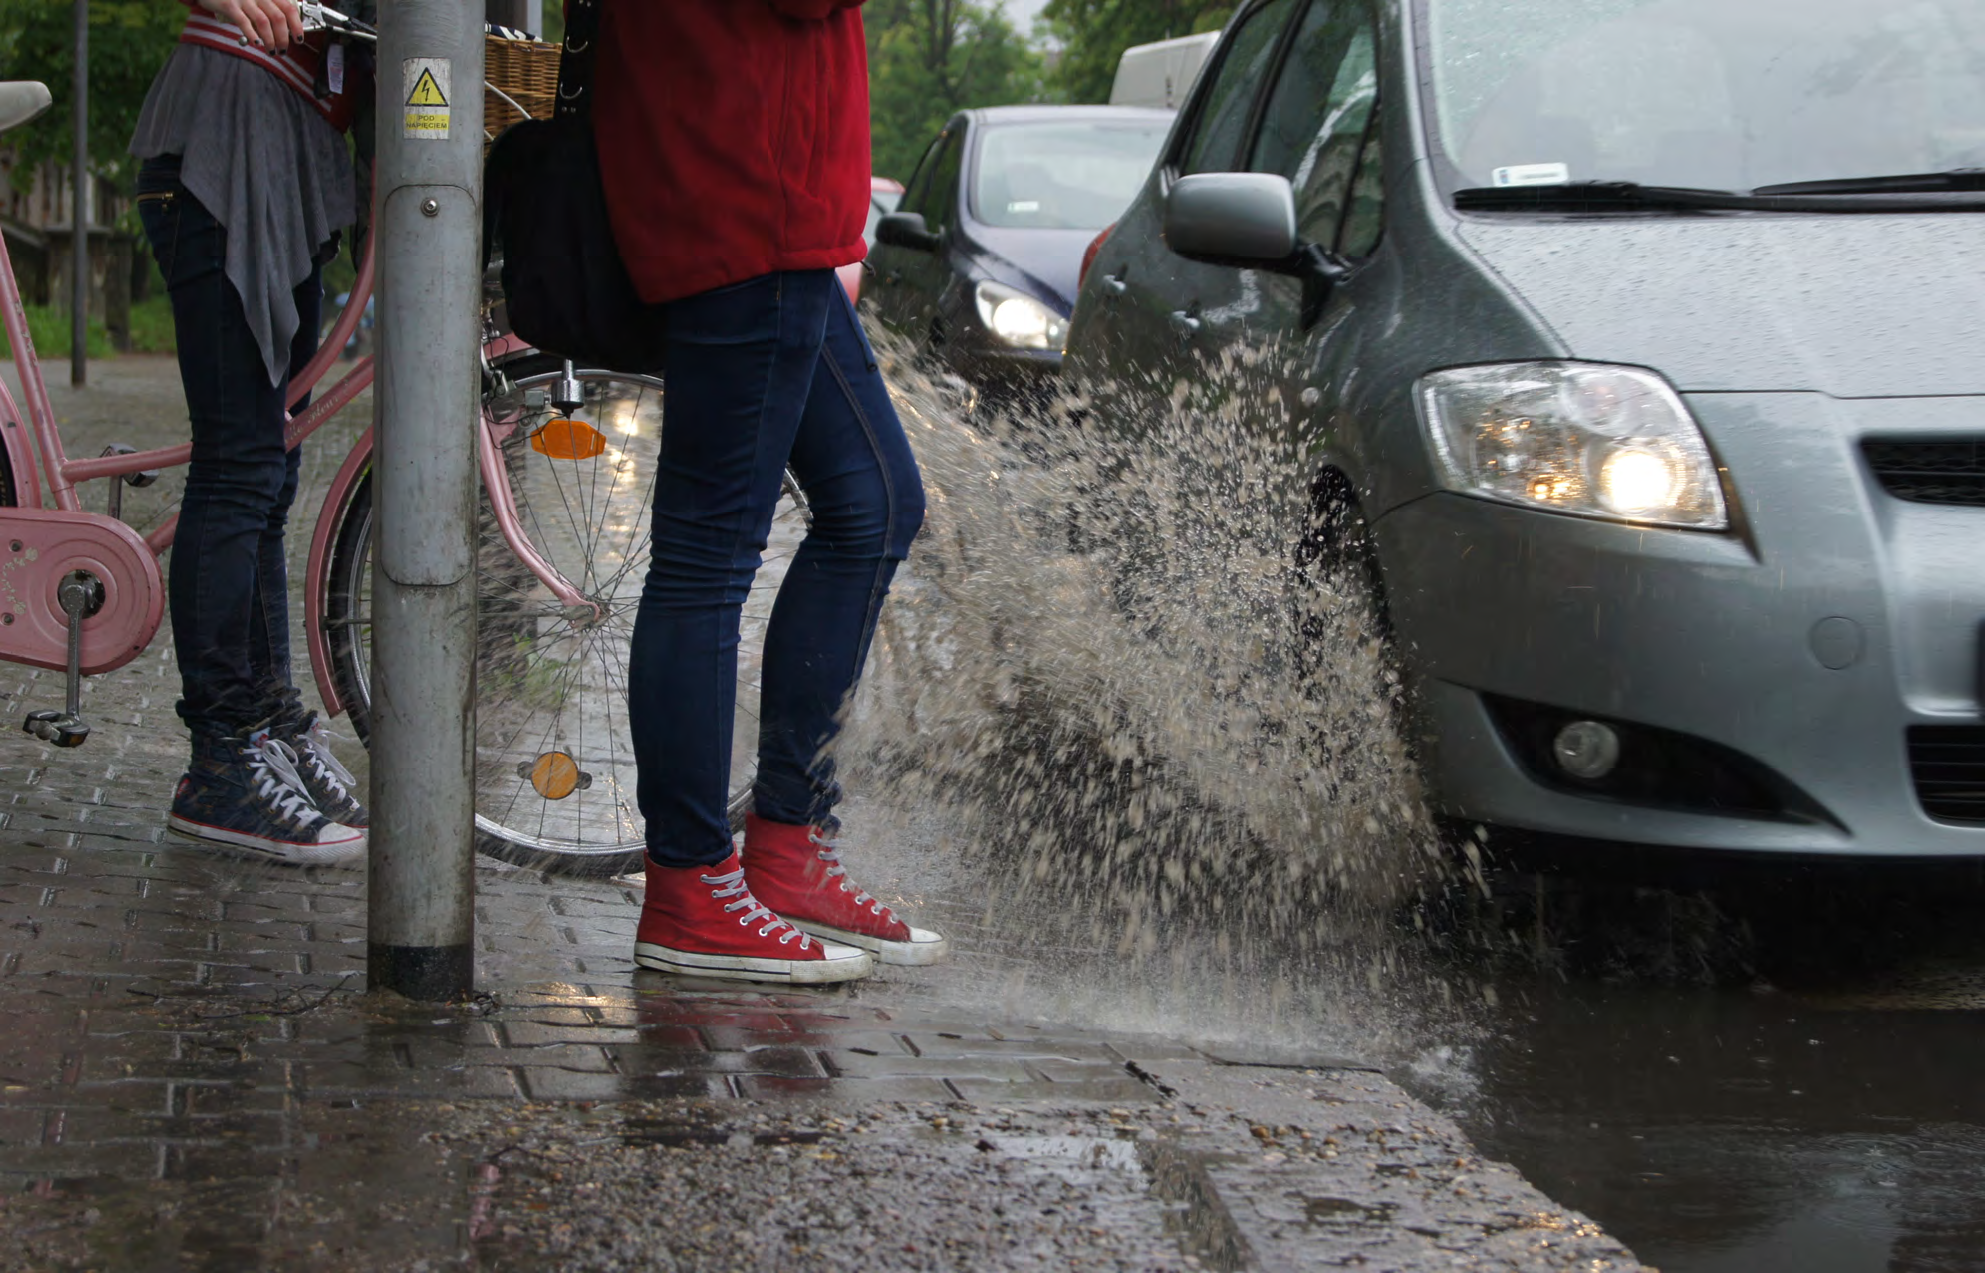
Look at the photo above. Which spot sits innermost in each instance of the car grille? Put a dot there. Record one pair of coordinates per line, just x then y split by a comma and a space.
1946, 471
1948, 762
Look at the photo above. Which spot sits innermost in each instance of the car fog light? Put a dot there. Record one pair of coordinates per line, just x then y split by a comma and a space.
1587, 749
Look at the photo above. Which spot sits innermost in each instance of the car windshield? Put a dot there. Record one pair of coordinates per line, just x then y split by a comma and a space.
1069, 175
1723, 94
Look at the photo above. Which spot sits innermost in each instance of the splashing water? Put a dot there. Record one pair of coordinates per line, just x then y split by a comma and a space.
1171, 743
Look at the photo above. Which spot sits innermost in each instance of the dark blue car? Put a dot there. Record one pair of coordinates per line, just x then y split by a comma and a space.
981, 259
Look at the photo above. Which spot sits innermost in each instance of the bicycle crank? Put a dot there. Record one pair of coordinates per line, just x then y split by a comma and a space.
81, 595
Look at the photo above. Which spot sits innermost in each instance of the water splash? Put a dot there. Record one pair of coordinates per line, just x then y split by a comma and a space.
1173, 737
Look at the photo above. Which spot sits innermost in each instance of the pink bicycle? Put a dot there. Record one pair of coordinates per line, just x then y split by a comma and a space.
568, 460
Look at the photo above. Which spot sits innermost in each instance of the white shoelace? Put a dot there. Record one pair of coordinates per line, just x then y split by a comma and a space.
317, 751
732, 885
273, 764
835, 871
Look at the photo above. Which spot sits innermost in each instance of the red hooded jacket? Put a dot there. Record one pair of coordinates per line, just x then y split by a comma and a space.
733, 138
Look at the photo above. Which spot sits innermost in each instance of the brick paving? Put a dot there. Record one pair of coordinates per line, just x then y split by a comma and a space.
189, 1050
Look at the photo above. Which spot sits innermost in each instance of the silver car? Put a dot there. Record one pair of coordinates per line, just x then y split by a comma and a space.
1641, 344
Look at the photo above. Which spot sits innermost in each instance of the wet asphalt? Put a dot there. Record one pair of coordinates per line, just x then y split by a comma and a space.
1755, 1066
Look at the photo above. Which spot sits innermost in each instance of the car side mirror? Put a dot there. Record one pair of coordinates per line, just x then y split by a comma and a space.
906, 230
1248, 220
1232, 218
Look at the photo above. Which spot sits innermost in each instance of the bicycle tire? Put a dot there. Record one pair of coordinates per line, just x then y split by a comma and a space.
551, 692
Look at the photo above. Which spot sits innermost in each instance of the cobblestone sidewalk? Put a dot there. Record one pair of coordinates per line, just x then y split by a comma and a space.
192, 1076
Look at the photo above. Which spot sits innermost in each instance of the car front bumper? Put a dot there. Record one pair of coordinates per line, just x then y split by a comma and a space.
1810, 639
995, 364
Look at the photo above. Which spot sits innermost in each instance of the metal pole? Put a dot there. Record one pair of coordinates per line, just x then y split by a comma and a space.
79, 192
422, 884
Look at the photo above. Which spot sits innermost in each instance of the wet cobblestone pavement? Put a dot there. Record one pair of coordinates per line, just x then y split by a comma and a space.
192, 1076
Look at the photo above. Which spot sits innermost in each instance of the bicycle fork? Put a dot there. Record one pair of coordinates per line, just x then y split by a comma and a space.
80, 595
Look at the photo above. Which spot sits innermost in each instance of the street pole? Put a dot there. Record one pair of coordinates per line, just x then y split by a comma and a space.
422, 867
79, 193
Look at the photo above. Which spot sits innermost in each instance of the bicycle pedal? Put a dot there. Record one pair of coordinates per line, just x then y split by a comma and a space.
59, 728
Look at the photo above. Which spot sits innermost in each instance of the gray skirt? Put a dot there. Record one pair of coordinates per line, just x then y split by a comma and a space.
269, 168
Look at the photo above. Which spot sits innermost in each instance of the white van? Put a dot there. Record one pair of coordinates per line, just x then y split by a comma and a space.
1161, 74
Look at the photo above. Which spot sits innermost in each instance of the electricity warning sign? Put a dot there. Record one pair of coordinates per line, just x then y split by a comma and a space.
428, 91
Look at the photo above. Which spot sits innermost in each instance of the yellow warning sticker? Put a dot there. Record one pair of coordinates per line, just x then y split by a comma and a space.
428, 90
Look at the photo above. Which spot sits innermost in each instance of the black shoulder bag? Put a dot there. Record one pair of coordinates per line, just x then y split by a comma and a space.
544, 208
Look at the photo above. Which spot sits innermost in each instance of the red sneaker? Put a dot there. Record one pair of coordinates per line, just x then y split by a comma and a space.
702, 921
800, 876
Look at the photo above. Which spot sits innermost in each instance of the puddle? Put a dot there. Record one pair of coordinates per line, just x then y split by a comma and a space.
1334, 1210
1096, 1153
1815, 1107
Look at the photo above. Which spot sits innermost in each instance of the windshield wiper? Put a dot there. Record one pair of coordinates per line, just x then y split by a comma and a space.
1957, 180
1631, 196
1597, 196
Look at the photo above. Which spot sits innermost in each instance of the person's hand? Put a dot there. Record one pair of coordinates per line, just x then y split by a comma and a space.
268, 24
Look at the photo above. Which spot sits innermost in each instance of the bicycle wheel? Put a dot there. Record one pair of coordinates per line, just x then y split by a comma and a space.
554, 759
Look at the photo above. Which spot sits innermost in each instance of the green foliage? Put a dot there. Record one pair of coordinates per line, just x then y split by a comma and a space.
930, 58
1094, 33
151, 332
151, 326
129, 41
49, 329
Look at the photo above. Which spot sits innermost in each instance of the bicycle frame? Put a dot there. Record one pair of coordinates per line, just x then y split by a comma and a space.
68, 537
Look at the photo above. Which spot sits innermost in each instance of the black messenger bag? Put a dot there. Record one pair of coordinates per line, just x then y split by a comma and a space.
544, 209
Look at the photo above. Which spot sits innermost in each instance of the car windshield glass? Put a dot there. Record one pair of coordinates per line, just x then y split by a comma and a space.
1720, 94
1072, 175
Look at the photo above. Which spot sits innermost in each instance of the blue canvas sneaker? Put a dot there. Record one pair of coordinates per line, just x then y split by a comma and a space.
247, 794
332, 787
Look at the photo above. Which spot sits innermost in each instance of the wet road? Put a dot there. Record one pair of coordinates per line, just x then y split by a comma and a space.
1766, 1075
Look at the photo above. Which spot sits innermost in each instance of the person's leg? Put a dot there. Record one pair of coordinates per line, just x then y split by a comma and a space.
240, 789
332, 787
238, 475
866, 498
867, 501
269, 636
740, 361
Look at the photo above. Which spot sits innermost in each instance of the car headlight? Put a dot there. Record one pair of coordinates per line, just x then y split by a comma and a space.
1573, 437
1017, 319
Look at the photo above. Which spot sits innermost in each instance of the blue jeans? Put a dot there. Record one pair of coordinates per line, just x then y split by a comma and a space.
227, 586
763, 376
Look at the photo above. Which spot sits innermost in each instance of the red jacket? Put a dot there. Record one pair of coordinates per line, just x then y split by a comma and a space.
733, 138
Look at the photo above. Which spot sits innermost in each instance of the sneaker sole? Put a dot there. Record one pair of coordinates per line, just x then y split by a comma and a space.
291, 852
842, 963
924, 946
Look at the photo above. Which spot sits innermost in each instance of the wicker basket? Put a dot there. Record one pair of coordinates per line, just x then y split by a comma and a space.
527, 72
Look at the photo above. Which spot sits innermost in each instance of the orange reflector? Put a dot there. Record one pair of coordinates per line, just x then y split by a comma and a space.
568, 440
555, 775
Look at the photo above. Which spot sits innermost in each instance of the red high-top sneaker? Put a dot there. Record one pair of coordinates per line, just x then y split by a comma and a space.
702, 921
799, 875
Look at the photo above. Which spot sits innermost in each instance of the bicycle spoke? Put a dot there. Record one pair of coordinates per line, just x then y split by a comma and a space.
550, 684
